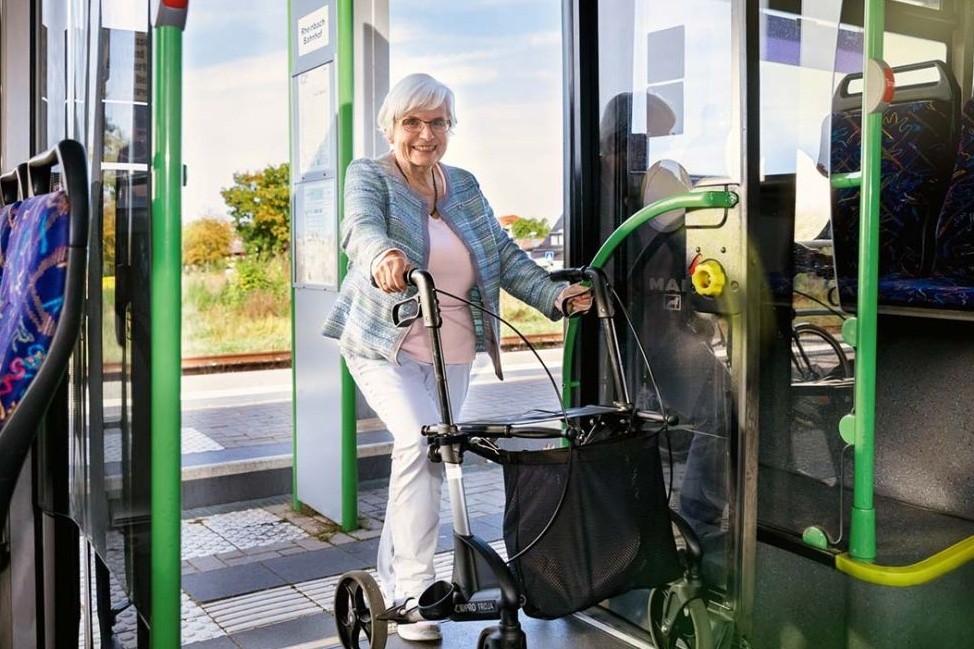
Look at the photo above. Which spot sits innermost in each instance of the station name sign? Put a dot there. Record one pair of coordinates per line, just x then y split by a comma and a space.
313, 31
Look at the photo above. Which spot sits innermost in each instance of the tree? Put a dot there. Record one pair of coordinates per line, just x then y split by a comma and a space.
206, 242
530, 229
259, 205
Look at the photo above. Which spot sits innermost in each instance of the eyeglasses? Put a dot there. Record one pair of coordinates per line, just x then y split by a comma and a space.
415, 124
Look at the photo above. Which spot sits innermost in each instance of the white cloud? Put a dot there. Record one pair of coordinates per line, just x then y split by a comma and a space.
235, 119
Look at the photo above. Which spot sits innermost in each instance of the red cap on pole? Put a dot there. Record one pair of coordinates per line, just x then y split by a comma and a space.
172, 13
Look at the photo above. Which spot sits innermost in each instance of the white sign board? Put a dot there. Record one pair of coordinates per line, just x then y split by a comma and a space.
316, 241
315, 120
313, 31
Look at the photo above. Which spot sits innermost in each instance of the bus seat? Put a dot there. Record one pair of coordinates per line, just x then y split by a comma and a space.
950, 286
31, 292
7, 215
41, 305
920, 134
955, 227
11, 194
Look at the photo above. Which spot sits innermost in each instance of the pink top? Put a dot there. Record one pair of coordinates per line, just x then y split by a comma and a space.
452, 271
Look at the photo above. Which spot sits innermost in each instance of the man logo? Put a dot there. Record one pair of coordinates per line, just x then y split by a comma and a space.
668, 284
673, 301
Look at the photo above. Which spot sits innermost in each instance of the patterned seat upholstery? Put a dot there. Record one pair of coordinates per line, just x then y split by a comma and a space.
31, 292
919, 149
955, 228
7, 215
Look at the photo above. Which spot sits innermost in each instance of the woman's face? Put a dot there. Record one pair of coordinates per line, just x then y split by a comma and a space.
419, 139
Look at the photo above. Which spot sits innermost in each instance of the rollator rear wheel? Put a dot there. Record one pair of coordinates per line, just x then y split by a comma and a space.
676, 624
358, 600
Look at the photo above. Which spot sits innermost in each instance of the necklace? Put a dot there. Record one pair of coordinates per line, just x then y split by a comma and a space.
436, 195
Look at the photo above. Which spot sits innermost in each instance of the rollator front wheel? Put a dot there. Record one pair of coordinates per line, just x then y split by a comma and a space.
358, 600
675, 623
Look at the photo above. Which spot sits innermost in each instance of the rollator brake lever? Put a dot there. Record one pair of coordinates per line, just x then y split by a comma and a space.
401, 319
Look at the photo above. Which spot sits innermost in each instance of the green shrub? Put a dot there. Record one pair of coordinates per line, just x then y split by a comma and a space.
245, 309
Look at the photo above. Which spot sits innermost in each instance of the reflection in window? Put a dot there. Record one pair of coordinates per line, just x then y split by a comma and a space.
664, 81
901, 50
928, 4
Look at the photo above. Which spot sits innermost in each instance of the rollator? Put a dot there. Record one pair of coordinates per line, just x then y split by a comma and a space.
584, 521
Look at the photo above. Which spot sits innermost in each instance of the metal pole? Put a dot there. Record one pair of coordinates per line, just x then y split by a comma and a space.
346, 89
165, 347
862, 531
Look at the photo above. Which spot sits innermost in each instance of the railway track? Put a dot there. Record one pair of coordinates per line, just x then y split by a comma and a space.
273, 360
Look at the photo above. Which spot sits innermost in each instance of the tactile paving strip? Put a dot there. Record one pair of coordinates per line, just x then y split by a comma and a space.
244, 612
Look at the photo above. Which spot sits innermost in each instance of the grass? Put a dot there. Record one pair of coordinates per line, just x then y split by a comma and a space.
526, 319
244, 309
247, 309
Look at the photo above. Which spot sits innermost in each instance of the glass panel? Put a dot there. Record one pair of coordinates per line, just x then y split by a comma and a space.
928, 4
900, 50
804, 364
666, 95
111, 455
52, 74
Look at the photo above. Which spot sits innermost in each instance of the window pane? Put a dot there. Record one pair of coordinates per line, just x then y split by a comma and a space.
900, 50
929, 4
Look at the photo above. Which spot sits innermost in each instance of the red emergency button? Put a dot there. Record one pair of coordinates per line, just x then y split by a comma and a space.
176, 4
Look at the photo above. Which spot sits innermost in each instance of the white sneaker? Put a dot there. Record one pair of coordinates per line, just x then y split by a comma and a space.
425, 631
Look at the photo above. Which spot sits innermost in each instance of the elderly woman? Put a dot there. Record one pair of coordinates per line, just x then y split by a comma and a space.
403, 210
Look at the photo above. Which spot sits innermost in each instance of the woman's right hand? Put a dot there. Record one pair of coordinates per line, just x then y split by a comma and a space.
389, 272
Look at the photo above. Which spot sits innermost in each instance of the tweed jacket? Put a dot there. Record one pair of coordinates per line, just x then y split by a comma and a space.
382, 212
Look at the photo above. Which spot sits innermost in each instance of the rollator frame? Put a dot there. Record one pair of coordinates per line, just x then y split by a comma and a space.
483, 586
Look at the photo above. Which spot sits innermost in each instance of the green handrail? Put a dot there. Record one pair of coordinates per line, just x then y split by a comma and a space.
165, 347
687, 201
850, 180
346, 89
862, 531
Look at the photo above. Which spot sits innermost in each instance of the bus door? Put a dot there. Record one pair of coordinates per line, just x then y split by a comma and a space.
664, 114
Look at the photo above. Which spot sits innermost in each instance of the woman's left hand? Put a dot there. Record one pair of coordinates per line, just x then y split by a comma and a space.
575, 299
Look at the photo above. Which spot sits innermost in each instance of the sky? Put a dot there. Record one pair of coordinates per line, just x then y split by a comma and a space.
505, 72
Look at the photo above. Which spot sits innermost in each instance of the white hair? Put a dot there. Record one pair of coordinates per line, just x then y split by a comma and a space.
415, 92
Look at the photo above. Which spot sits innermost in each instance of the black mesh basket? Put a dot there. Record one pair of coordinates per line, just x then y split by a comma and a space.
611, 535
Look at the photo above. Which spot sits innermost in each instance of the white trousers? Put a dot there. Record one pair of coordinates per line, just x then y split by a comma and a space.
405, 398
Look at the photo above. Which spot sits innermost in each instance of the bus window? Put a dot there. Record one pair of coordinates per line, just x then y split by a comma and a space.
800, 54
926, 4
901, 50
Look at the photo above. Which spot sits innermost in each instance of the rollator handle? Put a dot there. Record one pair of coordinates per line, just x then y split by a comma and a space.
422, 280
595, 276
572, 275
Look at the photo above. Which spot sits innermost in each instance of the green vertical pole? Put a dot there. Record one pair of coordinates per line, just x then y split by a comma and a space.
346, 88
165, 348
862, 532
